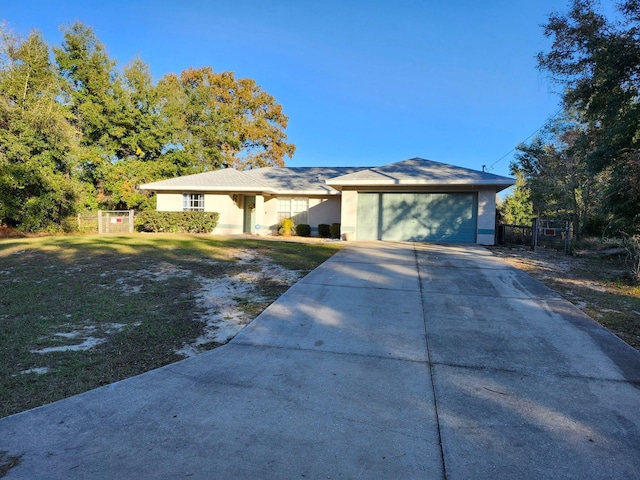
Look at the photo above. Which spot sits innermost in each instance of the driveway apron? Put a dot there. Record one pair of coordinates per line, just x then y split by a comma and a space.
527, 386
390, 360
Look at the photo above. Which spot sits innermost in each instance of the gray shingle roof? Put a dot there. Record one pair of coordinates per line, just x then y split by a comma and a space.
329, 180
418, 171
301, 179
224, 179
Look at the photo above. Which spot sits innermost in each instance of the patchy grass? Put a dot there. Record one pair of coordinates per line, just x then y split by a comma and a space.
80, 312
598, 284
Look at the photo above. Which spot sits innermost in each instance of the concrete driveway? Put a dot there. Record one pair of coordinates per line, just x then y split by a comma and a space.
389, 361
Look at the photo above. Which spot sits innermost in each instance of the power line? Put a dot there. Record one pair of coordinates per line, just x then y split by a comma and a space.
536, 131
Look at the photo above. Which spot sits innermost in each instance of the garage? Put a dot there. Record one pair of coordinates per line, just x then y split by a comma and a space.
418, 216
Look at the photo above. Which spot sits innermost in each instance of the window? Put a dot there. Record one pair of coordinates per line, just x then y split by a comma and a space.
296, 208
193, 202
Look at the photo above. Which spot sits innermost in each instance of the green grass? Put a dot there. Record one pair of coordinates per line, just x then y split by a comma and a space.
136, 293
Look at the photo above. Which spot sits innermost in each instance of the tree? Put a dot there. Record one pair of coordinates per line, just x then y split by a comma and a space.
39, 186
517, 208
223, 122
596, 61
188, 124
557, 175
78, 133
143, 150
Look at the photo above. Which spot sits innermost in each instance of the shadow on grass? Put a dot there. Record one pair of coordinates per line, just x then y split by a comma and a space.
133, 299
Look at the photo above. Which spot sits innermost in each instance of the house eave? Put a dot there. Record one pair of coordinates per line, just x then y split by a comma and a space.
205, 189
329, 191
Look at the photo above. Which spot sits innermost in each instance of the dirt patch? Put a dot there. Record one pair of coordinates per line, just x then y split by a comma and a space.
227, 303
80, 312
225, 299
7, 462
596, 282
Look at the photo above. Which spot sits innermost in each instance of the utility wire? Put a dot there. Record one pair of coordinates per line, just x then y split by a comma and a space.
537, 130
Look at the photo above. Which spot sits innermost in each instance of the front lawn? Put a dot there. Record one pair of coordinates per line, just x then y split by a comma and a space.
80, 312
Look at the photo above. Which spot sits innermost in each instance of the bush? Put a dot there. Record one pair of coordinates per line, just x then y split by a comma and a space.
303, 230
324, 230
595, 227
631, 244
335, 230
287, 227
176, 222
70, 225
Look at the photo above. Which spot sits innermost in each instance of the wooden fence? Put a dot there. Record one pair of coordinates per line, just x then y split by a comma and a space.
543, 232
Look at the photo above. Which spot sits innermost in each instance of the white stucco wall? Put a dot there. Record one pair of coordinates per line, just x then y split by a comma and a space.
230, 221
323, 210
169, 202
349, 213
269, 214
486, 217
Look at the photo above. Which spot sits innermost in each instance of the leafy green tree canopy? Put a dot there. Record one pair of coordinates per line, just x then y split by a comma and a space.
517, 208
596, 62
77, 133
38, 176
221, 121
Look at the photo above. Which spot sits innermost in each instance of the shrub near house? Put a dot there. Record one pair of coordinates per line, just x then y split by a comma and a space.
303, 230
324, 230
177, 222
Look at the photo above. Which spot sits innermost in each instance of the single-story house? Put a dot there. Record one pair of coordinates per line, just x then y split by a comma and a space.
413, 200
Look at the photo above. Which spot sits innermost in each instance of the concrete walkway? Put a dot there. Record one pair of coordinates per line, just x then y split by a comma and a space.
389, 361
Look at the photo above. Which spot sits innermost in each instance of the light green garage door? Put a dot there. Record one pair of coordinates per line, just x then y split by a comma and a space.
427, 217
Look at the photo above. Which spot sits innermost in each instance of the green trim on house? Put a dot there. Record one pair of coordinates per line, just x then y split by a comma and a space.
486, 231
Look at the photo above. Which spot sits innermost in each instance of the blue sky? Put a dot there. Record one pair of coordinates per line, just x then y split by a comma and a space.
364, 83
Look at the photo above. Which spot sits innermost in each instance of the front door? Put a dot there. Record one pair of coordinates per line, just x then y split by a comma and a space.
249, 213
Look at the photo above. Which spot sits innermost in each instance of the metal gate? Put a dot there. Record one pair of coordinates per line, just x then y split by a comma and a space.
107, 221
554, 234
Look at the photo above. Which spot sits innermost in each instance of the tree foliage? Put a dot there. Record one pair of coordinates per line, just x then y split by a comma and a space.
39, 185
596, 62
222, 121
517, 207
557, 174
77, 133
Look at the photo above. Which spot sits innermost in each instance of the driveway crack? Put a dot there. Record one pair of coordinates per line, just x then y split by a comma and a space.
430, 366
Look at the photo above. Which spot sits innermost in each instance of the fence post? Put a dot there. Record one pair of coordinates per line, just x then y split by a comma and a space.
99, 221
131, 218
534, 233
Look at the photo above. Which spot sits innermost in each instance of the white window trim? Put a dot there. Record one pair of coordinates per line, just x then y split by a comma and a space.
193, 202
297, 208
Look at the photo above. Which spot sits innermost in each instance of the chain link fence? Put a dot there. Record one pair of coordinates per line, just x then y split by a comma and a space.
107, 221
